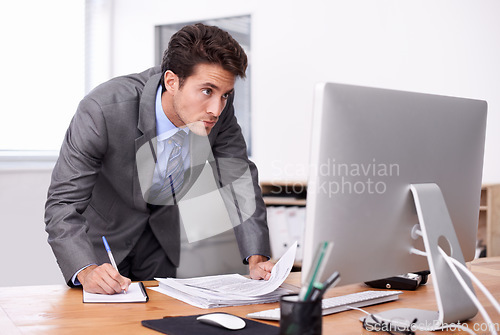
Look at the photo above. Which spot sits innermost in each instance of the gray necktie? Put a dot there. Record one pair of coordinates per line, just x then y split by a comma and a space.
175, 165
174, 174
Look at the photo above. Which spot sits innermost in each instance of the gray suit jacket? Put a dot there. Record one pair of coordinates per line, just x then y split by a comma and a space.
95, 188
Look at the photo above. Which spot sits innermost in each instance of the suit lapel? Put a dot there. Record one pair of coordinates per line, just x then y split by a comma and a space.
147, 120
145, 144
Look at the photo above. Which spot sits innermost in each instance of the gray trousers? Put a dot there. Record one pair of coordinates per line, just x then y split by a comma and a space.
147, 260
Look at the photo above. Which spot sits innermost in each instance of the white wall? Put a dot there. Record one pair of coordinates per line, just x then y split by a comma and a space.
434, 46
26, 258
444, 47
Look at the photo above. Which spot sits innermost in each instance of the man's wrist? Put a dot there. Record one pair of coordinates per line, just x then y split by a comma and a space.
254, 259
79, 277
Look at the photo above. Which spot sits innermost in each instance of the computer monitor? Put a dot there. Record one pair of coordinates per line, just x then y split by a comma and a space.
382, 161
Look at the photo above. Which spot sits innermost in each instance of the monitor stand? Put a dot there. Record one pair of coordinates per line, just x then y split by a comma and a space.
436, 229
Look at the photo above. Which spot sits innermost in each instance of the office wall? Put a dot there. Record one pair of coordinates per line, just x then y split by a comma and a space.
26, 258
435, 46
444, 47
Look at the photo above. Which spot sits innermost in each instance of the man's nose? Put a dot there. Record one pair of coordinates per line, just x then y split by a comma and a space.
216, 106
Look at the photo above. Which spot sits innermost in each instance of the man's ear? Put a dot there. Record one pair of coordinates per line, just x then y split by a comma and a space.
171, 81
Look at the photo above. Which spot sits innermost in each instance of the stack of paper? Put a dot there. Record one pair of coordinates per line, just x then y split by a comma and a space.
230, 290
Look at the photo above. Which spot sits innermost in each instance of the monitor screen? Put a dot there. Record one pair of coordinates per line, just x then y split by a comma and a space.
368, 146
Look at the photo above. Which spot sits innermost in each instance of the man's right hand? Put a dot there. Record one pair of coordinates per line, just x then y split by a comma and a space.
103, 279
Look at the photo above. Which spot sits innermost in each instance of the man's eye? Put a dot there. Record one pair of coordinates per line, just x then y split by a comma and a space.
207, 91
225, 96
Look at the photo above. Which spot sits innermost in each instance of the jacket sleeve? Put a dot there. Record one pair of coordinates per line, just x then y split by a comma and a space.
70, 190
240, 177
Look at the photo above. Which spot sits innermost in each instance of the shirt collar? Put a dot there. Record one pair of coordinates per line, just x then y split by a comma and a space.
164, 127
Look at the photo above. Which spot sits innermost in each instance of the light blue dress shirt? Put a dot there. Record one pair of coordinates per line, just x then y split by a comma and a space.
164, 130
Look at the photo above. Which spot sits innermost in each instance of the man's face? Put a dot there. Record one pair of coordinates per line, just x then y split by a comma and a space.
201, 99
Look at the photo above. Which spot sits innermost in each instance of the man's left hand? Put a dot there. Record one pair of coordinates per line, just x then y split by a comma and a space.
260, 267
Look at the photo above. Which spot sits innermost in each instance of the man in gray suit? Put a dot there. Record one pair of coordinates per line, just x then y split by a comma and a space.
103, 186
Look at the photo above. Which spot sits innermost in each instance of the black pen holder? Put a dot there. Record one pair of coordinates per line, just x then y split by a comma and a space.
300, 317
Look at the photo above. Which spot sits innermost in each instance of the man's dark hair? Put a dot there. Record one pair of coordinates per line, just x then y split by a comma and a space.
201, 44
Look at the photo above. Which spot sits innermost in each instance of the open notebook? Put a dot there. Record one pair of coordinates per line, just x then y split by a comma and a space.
136, 293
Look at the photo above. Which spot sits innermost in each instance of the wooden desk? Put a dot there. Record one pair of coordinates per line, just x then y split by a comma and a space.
59, 310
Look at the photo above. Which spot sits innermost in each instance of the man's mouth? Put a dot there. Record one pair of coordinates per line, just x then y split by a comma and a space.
209, 124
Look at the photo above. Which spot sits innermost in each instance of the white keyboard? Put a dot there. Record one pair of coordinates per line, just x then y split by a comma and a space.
338, 304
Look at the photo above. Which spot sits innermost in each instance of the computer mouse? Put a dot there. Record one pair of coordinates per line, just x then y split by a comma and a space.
223, 320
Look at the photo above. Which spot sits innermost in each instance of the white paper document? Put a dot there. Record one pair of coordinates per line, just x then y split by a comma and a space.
136, 293
232, 289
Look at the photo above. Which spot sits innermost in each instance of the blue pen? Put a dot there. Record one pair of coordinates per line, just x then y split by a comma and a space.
110, 255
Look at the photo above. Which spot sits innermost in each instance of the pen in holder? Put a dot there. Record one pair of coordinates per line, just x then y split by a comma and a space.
300, 317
